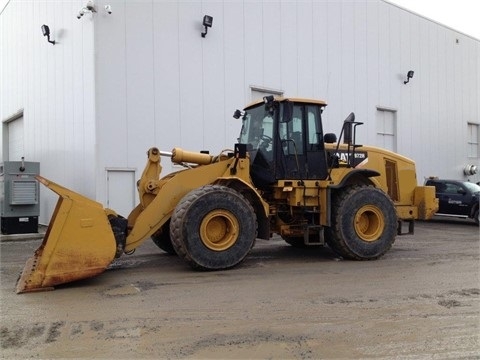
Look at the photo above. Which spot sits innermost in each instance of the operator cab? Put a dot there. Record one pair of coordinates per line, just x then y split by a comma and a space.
285, 140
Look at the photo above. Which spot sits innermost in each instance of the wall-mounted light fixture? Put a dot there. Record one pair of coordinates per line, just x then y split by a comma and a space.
470, 170
409, 76
207, 22
88, 8
46, 32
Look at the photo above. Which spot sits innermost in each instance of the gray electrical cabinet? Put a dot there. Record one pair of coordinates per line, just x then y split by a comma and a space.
19, 197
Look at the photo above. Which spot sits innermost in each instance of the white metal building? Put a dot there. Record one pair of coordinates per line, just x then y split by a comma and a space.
114, 84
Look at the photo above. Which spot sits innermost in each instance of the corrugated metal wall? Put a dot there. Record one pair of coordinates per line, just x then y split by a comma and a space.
149, 79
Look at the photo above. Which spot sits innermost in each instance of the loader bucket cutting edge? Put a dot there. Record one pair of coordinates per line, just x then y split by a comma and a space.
79, 243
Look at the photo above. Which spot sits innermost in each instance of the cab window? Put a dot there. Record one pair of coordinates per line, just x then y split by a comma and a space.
315, 135
291, 133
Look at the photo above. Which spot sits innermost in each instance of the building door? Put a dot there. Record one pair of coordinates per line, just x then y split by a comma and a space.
14, 148
121, 190
387, 128
258, 92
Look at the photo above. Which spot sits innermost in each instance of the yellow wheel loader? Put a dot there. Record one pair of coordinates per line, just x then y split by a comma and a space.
284, 176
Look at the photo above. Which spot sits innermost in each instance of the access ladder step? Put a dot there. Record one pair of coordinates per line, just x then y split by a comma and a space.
314, 240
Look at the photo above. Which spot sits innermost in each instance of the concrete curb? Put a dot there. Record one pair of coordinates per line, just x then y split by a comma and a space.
25, 237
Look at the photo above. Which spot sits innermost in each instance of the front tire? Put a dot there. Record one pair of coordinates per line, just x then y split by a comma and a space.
364, 223
213, 228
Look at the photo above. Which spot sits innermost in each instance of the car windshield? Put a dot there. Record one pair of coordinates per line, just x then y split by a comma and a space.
472, 186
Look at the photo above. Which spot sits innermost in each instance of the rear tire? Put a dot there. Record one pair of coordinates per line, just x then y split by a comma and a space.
162, 239
364, 223
476, 217
213, 228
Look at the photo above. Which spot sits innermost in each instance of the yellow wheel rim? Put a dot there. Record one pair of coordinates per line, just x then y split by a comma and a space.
219, 230
369, 223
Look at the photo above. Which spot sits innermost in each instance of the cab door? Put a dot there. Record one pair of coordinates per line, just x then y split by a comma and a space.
292, 144
301, 143
316, 158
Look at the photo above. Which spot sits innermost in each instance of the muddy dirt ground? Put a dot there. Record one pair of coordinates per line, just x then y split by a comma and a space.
421, 300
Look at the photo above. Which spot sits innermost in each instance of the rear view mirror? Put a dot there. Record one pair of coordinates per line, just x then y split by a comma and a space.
287, 111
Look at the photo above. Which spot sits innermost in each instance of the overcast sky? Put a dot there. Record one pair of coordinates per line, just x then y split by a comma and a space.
461, 15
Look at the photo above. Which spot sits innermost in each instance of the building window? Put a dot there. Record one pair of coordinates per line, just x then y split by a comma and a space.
472, 142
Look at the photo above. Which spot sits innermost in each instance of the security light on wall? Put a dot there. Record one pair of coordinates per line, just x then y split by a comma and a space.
46, 32
409, 76
88, 8
207, 22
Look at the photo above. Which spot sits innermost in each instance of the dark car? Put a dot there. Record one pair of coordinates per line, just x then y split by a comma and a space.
457, 198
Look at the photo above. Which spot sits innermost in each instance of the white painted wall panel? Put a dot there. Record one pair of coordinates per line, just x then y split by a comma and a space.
347, 58
304, 45
384, 58
430, 112
111, 87
373, 58
167, 77
405, 113
191, 79
139, 68
289, 48
212, 95
111, 95
359, 82
235, 92
334, 65
394, 77
320, 74
253, 35
271, 46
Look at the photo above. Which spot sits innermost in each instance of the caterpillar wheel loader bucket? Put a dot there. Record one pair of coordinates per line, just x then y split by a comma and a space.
79, 243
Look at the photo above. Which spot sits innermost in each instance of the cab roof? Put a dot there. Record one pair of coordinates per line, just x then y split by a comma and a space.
293, 99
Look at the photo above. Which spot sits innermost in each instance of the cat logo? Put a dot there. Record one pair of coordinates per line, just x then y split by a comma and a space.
360, 158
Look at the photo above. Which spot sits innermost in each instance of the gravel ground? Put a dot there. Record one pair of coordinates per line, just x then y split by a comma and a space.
421, 300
